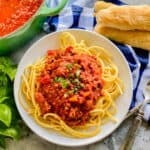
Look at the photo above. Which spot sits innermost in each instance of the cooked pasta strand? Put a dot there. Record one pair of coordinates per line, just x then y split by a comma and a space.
105, 107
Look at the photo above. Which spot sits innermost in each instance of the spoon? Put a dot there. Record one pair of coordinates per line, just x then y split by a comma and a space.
131, 134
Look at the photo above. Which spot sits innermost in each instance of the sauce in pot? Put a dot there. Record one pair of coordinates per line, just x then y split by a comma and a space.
14, 13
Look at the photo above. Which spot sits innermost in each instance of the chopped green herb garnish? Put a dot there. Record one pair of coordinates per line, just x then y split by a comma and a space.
64, 82
69, 66
68, 93
78, 73
81, 85
75, 90
58, 79
76, 81
71, 91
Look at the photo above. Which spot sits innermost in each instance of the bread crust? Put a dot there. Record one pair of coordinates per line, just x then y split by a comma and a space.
135, 38
100, 5
125, 17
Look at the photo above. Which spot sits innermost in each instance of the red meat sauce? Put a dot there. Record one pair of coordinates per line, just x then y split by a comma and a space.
69, 85
14, 13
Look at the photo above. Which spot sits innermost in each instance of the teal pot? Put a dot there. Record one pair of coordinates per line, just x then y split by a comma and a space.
22, 35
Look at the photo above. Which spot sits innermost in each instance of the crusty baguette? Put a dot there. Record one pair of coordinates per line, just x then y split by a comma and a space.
139, 39
125, 17
100, 5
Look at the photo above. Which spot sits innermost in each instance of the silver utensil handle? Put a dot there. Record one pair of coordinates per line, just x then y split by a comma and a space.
131, 134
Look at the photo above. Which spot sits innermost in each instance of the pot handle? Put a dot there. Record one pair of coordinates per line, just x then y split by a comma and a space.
46, 11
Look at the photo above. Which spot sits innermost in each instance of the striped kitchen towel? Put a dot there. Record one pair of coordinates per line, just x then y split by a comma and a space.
79, 14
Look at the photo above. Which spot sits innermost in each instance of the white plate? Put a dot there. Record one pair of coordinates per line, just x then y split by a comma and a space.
51, 42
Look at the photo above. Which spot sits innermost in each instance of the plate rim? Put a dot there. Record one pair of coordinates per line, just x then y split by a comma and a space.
18, 104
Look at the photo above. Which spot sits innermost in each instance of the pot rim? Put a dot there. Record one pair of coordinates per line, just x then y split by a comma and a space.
27, 22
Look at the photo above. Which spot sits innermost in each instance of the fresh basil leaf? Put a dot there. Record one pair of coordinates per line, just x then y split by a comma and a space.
2, 142
15, 117
11, 72
5, 61
4, 85
7, 67
2, 99
9, 124
5, 114
12, 132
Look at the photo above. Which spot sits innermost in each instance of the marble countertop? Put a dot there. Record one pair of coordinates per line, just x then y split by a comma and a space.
30, 141
142, 142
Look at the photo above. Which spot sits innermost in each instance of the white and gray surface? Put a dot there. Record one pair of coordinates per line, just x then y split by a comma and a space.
30, 141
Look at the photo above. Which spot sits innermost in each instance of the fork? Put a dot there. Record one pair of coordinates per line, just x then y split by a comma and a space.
131, 134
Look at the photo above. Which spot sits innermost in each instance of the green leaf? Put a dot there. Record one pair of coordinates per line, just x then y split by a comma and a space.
5, 114
4, 85
11, 72
11, 104
9, 126
5, 61
7, 67
12, 132
2, 142
2, 99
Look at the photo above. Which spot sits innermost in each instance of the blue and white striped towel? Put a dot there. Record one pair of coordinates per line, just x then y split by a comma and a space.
79, 14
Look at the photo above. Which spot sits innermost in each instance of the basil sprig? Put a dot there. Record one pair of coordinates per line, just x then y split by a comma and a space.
9, 117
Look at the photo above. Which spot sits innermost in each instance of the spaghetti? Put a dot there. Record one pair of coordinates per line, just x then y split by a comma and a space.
73, 89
